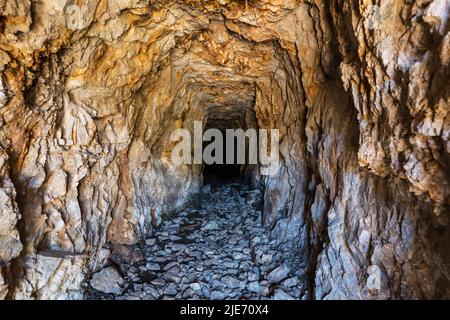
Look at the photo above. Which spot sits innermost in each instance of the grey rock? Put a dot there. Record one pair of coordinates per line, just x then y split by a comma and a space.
171, 289
252, 276
173, 276
216, 284
150, 242
238, 256
256, 240
278, 274
206, 292
170, 265
291, 282
188, 293
152, 291
254, 287
159, 259
158, 282
217, 295
212, 225
178, 246
107, 280
266, 258
153, 266
233, 283
195, 286
229, 264
281, 295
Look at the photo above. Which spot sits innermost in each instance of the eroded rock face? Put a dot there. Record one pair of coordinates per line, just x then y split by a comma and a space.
10, 245
90, 94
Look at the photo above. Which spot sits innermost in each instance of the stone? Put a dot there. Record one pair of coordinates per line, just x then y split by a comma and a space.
217, 295
238, 256
281, 295
189, 293
216, 284
158, 260
206, 292
158, 282
153, 266
191, 276
171, 265
174, 238
173, 276
178, 246
233, 283
254, 287
206, 188
152, 291
171, 289
229, 264
195, 286
278, 274
252, 276
212, 225
107, 280
266, 258
291, 282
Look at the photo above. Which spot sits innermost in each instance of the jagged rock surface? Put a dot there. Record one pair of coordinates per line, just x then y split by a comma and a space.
87, 107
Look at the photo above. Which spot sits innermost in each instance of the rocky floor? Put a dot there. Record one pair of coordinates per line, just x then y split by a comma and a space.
215, 249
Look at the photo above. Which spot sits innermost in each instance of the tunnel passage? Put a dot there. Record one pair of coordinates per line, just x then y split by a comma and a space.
231, 121
86, 114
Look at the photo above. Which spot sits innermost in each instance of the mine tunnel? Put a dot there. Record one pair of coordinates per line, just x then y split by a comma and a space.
96, 204
230, 168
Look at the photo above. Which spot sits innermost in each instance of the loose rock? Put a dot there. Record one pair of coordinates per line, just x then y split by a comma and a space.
107, 280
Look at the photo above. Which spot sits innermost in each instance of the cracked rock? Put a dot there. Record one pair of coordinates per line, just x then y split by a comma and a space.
107, 280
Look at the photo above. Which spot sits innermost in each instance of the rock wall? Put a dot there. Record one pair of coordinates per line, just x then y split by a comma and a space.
90, 92
10, 245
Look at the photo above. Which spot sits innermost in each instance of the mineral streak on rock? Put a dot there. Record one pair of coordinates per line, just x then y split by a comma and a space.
91, 91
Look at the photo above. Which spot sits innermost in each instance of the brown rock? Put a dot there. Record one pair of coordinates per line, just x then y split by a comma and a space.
90, 95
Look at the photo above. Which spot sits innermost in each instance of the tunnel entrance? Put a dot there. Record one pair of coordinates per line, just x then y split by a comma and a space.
223, 173
231, 118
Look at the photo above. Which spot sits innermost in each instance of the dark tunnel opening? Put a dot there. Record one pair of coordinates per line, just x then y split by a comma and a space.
223, 173
232, 120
